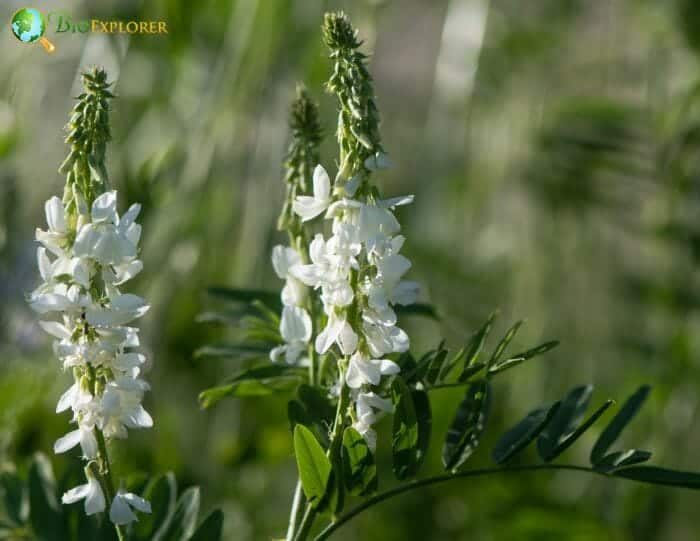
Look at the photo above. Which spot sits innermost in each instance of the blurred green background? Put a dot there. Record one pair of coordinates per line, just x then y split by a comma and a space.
553, 148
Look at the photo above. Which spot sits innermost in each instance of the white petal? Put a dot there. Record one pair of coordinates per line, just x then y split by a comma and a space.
137, 502
329, 335
353, 376
67, 442
120, 512
139, 418
104, 208
95, 499
44, 264
347, 340
55, 215
88, 442
295, 324
308, 207
54, 328
129, 217
68, 398
322, 184
76, 493
388, 368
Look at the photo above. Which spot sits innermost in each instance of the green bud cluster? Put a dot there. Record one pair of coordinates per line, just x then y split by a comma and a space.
302, 155
88, 133
358, 123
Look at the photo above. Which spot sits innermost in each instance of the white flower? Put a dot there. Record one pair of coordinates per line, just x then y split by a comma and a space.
121, 407
91, 492
85, 436
107, 239
308, 207
369, 408
121, 310
55, 238
337, 331
283, 260
363, 371
377, 161
384, 339
295, 328
120, 512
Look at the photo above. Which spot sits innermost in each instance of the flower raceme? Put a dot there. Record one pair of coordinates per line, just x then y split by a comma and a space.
84, 259
358, 274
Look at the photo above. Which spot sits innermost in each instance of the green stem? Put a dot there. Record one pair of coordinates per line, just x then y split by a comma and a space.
333, 450
331, 528
295, 513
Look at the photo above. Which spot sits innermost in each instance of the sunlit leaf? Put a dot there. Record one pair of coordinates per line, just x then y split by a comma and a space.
503, 343
405, 431
312, 463
467, 426
258, 381
475, 345
619, 459
359, 468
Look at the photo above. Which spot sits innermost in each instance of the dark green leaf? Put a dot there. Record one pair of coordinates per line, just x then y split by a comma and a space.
503, 343
435, 366
312, 463
475, 345
183, 521
211, 528
421, 404
270, 298
465, 431
359, 468
162, 493
405, 431
564, 422
258, 381
317, 403
618, 423
569, 440
660, 476
44, 509
522, 434
619, 459
417, 309
297, 414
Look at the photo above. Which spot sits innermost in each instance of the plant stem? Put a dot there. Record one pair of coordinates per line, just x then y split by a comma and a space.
333, 450
295, 513
331, 528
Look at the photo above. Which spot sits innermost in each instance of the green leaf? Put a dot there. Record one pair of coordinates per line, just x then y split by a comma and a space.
569, 440
518, 358
522, 434
467, 426
503, 344
421, 404
619, 459
564, 422
417, 309
233, 350
183, 521
451, 363
475, 345
162, 493
405, 431
609, 436
258, 381
211, 528
14, 497
316, 403
660, 476
359, 468
270, 298
435, 366
313, 464
44, 510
